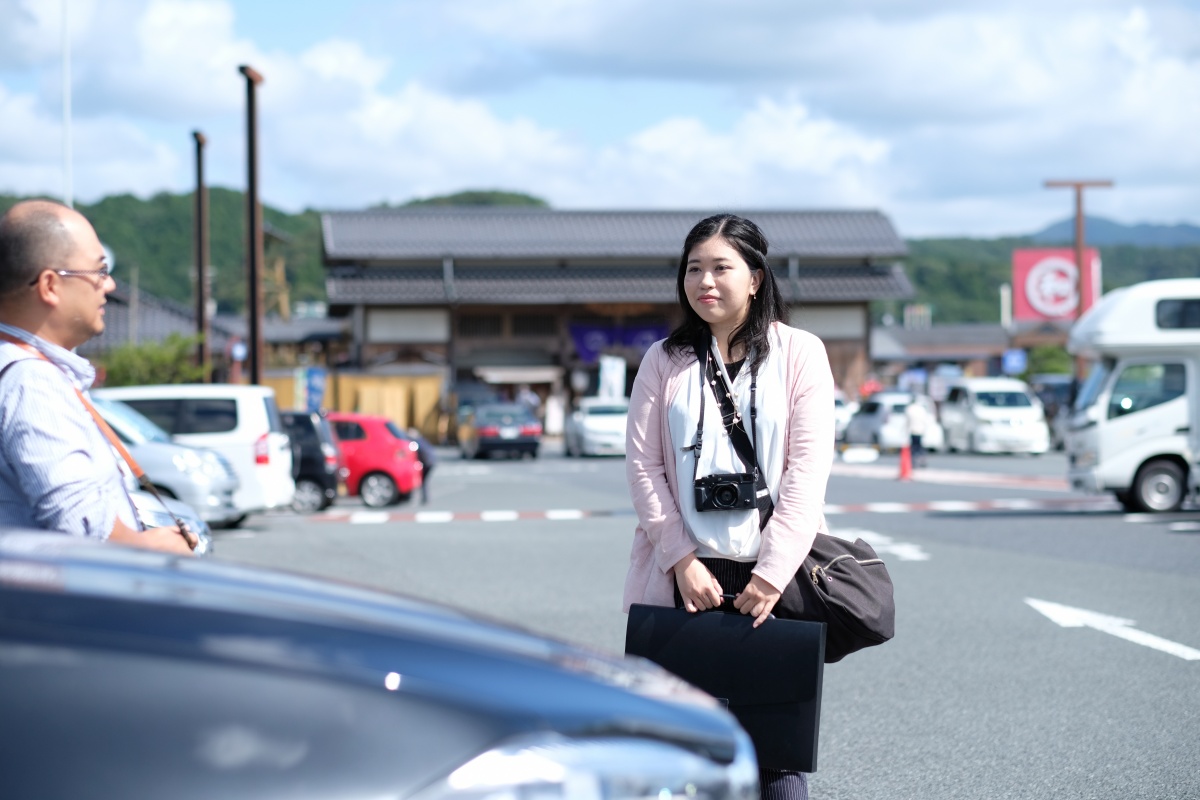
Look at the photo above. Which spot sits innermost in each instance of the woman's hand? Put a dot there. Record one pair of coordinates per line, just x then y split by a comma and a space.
697, 586
757, 599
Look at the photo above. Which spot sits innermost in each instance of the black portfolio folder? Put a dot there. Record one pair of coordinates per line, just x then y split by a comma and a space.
769, 677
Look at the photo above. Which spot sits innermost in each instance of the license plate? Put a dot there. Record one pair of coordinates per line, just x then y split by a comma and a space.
508, 433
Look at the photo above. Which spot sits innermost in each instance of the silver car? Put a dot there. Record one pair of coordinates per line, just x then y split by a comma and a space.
200, 478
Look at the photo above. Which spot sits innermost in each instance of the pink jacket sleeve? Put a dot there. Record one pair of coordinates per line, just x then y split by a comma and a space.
647, 448
808, 459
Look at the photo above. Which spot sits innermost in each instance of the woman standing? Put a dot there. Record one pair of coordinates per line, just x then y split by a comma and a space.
734, 343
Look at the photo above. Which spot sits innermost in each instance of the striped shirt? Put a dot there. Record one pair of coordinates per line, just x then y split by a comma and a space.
57, 471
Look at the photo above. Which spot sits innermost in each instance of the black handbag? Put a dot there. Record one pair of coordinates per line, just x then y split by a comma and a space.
768, 677
844, 584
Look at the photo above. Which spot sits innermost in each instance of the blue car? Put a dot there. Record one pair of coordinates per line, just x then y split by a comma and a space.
136, 674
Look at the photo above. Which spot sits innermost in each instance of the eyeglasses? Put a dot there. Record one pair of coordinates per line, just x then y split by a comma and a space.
102, 273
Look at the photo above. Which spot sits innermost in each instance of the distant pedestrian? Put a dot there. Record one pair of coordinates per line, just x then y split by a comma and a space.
917, 417
428, 458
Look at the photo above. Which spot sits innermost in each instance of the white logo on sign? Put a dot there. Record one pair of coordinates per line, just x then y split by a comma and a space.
1050, 287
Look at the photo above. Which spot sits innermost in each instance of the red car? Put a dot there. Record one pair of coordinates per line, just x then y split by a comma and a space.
381, 459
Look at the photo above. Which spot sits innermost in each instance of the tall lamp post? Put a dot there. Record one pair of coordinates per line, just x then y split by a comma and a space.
203, 349
254, 229
1078, 186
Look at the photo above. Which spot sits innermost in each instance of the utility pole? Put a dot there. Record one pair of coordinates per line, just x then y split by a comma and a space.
1079, 186
254, 228
204, 349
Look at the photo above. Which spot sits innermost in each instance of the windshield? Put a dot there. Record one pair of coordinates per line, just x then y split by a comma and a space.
395, 430
605, 411
1003, 399
131, 426
1096, 379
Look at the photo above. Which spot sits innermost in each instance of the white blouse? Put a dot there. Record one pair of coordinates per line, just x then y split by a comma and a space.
732, 535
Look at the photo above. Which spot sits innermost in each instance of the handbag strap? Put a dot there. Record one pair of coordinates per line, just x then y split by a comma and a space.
109, 434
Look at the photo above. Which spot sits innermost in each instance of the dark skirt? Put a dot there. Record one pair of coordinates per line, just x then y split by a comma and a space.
774, 784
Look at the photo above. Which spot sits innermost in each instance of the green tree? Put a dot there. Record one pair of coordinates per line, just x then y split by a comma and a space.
168, 361
481, 197
1049, 359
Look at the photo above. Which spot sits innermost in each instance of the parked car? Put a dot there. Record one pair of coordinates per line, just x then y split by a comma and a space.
843, 411
381, 460
158, 512
1057, 393
994, 415
597, 427
149, 675
199, 477
240, 422
509, 428
321, 466
880, 421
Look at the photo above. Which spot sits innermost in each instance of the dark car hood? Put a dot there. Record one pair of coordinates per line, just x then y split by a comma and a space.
219, 612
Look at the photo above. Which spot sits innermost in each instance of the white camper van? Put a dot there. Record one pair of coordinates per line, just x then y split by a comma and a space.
1133, 426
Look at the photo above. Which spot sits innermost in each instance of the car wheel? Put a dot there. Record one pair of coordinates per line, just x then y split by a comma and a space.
309, 497
234, 522
1159, 486
378, 490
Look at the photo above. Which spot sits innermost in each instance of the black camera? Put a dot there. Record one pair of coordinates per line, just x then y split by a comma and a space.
725, 492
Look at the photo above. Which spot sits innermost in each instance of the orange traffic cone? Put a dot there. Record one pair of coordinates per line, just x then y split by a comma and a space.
906, 463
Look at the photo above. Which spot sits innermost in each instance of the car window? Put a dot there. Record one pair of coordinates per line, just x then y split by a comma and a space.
1003, 399
162, 412
869, 407
955, 395
349, 431
273, 420
502, 415
605, 411
132, 427
209, 415
300, 427
395, 430
1143, 386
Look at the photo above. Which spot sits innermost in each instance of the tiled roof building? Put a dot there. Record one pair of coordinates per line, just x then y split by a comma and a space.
514, 287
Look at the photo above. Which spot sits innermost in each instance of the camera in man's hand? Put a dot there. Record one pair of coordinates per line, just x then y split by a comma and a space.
725, 492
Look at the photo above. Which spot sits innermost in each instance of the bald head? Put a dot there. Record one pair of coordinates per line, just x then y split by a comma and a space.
35, 235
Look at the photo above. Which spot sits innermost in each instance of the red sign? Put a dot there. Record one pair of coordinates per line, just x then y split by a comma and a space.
1045, 285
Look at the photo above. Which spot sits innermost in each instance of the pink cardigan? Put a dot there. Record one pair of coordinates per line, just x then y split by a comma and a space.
660, 540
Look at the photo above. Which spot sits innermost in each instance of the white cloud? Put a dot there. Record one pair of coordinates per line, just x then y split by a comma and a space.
946, 118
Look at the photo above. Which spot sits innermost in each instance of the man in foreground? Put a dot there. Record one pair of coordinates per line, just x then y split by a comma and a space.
57, 469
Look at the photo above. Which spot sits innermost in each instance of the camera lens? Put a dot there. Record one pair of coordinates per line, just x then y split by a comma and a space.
725, 495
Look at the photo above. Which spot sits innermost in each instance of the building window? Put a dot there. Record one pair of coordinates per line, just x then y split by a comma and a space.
534, 325
480, 326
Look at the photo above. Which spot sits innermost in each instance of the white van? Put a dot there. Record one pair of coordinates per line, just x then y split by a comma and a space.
994, 415
241, 423
1132, 423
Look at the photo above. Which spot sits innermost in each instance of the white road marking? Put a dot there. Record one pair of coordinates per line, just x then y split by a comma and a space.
952, 505
888, 508
883, 544
368, 517
1069, 617
564, 513
1184, 527
499, 516
434, 516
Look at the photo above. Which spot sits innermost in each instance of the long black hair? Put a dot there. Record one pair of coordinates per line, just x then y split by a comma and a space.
766, 307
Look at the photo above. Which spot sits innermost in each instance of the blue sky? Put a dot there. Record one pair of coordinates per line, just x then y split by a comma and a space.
947, 116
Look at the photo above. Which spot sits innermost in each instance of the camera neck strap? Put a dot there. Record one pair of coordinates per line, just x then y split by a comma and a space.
745, 446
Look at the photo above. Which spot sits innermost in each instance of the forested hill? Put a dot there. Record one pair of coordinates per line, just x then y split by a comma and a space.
958, 278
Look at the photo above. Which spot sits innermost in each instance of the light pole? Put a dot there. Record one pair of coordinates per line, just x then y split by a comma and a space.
1078, 186
203, 349
254, 228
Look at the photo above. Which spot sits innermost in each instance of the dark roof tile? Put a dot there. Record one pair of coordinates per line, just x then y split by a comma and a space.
522, 233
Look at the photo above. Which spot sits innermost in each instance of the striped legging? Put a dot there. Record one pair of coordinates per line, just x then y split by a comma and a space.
774, 784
